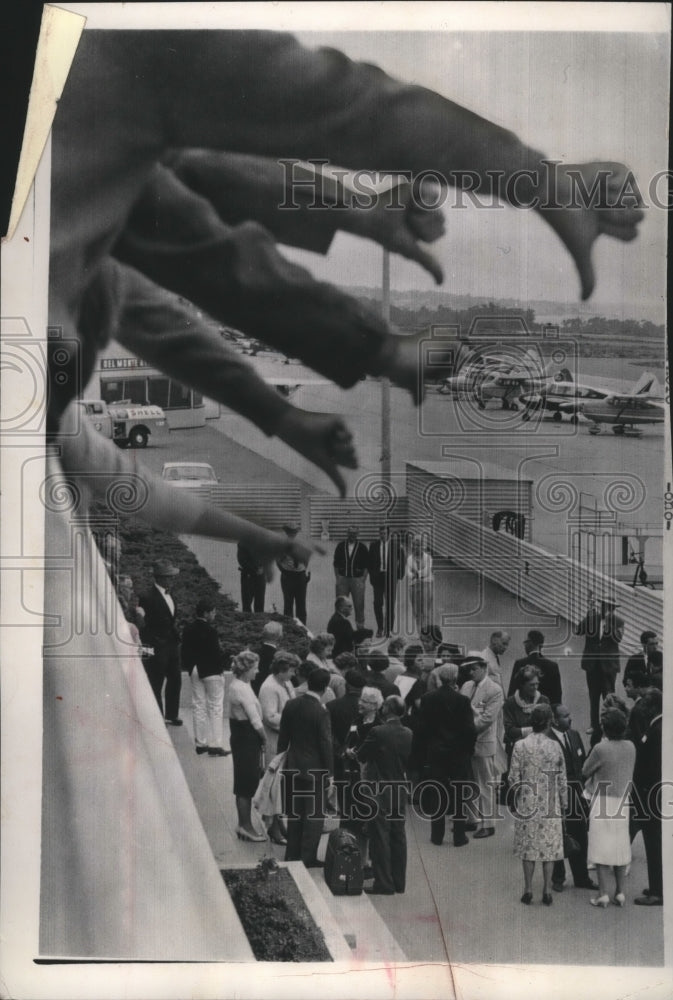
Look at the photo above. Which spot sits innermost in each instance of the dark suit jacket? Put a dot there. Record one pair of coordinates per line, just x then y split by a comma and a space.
608, 650
647, 769
590, 628
343, 632
397, 559
550, 676
158, 629
359, 561
574, 759
386, 751
343, 712
445, 736
305, 732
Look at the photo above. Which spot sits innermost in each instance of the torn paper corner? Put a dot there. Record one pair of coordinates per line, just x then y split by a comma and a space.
60, 31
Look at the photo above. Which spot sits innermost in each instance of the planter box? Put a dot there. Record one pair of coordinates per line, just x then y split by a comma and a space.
318, 908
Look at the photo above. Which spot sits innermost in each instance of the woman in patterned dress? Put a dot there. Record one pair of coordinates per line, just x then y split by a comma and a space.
537, 775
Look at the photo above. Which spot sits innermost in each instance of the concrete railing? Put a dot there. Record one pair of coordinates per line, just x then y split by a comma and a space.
552, 582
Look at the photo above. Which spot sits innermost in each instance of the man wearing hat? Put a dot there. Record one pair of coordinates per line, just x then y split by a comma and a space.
294, 579
160, 633
550, 676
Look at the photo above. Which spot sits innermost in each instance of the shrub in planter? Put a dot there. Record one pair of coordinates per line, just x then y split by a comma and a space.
274, 916
142, 545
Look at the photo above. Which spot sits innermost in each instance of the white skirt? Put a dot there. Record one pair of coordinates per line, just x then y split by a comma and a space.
609, 842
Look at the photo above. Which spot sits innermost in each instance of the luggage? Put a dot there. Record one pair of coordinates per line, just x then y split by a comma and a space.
343, 864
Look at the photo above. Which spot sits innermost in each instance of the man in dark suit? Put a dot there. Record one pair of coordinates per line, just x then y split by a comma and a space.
647, 789
272, 633
444, 740
160, 633
351, 561
342, 630
550, 676
387, 564
590, 628
577, 815
385, 754
306, 734
646, 661
612, 633
253, 580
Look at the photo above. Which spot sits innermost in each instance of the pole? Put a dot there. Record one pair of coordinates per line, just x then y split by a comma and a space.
386, 471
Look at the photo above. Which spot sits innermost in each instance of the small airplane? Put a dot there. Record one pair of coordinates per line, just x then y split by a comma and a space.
561, 396
627, 412
491, 377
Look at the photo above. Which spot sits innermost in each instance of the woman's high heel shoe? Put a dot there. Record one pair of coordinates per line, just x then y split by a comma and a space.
255, 838
527, 898
619, 899
600, 901
547, 898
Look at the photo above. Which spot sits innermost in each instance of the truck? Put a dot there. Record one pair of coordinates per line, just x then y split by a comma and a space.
124, 422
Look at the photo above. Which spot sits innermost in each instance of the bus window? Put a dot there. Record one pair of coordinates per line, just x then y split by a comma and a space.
179, 397
158, 391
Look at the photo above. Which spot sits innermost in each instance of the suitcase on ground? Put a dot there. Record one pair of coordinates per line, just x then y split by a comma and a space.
343, 864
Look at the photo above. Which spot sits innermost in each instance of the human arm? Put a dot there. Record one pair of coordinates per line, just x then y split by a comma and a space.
512, 724
326, 745
322, 104
271, 707
92, 462
170, 334
242, 187
593, 762
488, 710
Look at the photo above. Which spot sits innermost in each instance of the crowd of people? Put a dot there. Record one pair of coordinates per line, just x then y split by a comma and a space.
370, 733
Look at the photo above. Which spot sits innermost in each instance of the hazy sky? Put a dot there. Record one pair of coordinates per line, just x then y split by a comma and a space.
575, 96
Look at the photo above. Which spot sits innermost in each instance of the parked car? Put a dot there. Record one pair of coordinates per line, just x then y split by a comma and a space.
189, 475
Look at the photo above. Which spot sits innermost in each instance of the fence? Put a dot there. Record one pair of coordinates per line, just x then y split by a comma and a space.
333, 515
268, 504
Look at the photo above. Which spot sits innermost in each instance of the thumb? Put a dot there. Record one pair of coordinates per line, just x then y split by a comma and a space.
585, 269
332, 470
407, 245
428, 261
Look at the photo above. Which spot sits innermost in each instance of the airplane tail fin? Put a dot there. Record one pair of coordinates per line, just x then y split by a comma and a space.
647, 385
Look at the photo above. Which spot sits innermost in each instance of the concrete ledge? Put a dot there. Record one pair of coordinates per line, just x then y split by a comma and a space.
361, 924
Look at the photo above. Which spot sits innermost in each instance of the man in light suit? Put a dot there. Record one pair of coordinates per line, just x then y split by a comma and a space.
305, 732
387, 563
486, 697
160, 633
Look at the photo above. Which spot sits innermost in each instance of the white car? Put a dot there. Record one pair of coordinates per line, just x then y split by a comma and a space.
188, 475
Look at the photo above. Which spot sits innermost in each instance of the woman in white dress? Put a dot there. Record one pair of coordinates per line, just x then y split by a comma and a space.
609, 766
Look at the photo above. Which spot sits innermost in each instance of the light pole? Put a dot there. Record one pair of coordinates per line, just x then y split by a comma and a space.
386, 471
